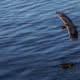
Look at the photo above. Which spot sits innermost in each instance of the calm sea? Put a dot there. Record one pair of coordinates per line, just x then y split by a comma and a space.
31, 45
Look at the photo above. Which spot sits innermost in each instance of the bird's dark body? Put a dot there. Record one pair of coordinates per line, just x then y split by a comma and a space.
69, 25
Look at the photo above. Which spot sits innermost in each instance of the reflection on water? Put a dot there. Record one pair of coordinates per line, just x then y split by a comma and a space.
31, 45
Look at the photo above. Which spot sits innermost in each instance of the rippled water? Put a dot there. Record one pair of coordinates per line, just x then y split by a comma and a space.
31, 45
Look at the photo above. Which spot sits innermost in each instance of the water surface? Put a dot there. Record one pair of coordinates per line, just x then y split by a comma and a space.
31, 45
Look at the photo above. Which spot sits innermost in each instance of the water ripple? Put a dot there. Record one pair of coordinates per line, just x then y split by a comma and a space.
31, 45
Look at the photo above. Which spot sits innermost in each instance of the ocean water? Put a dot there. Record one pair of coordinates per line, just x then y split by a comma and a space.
31, 45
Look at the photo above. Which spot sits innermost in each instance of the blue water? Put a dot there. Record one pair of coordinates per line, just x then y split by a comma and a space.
31, 45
